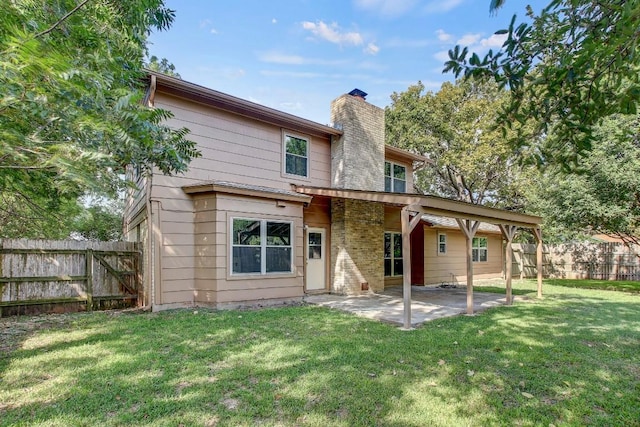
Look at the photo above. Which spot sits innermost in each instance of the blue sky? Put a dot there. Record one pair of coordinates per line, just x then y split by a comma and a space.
298, 55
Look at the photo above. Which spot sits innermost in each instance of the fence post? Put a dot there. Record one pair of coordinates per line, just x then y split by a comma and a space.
89, 272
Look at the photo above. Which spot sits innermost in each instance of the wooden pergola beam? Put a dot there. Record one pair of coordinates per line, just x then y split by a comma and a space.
468, 217
508, 232
469, 229
537, 232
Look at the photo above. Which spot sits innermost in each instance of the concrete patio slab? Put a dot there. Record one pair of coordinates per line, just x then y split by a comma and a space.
427, 303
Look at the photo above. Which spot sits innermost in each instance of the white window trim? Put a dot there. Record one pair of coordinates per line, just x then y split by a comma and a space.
263, 248
440, 243
397, 179
392, 258
286, 133
479, 248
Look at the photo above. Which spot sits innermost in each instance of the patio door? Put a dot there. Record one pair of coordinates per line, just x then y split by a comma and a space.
316, 258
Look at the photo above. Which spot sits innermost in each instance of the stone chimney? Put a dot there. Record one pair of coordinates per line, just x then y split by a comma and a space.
357, 158
357, 227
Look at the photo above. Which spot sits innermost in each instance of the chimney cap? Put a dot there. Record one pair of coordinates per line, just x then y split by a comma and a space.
359, 93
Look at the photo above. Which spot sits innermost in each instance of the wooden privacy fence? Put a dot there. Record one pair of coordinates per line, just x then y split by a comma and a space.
600, 261
39, 276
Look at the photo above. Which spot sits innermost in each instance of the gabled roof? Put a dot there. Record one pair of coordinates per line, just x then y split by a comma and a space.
213, 98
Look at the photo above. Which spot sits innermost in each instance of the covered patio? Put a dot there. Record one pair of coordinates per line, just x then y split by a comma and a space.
427, 303
468, 218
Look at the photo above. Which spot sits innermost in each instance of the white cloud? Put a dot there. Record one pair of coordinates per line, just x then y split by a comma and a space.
332, 33
276, 57
371, 49
389, 8
415, 43
442, 56
469, 39
274, 21
496, 40
281, 58
441, 6
444, 36
292, 74
207, 24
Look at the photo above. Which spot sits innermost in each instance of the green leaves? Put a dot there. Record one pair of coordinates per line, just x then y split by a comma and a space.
573, 65
455, 128
71, 91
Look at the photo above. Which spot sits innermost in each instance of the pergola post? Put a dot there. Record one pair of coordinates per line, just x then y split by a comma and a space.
469, 229
407, 227
406, 267
509, 232
537, 232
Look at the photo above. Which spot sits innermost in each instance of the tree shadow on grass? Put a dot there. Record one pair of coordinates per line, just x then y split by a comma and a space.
312, 366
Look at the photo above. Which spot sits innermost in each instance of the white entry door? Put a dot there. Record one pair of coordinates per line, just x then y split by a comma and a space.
316, 255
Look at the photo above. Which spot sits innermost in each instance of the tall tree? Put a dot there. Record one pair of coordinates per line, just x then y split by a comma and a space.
71, 110
162, 66
576, 63
603, 194
455, 128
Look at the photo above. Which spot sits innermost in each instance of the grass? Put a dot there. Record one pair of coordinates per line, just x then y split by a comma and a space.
624, 286
571, 358
608, 285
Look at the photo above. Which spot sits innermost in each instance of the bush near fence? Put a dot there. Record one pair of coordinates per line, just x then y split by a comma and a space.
38, 276
598, 261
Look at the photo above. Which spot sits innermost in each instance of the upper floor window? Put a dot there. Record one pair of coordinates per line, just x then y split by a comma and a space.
395, 178
260, 246
479, 249
296, 155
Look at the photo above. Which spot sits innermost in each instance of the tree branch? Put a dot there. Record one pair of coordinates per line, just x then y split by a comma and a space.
28, 167
61, 20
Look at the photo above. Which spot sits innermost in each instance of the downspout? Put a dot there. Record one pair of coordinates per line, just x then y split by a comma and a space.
150, 244
149, 101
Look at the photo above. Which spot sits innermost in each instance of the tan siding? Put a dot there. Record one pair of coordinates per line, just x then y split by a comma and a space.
241, 150
179, 262
176, 244
442, 267
178, 297
318, 213
257, 294
136, 197
212, 276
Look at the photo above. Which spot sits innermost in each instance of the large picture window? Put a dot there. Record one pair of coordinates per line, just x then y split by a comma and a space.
261, 246
392, 254
395, 178
296, 155
479, 251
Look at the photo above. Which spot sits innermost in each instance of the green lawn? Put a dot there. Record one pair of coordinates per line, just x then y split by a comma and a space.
572, 358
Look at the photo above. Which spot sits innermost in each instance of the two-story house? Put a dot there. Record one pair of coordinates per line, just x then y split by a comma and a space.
279, 206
